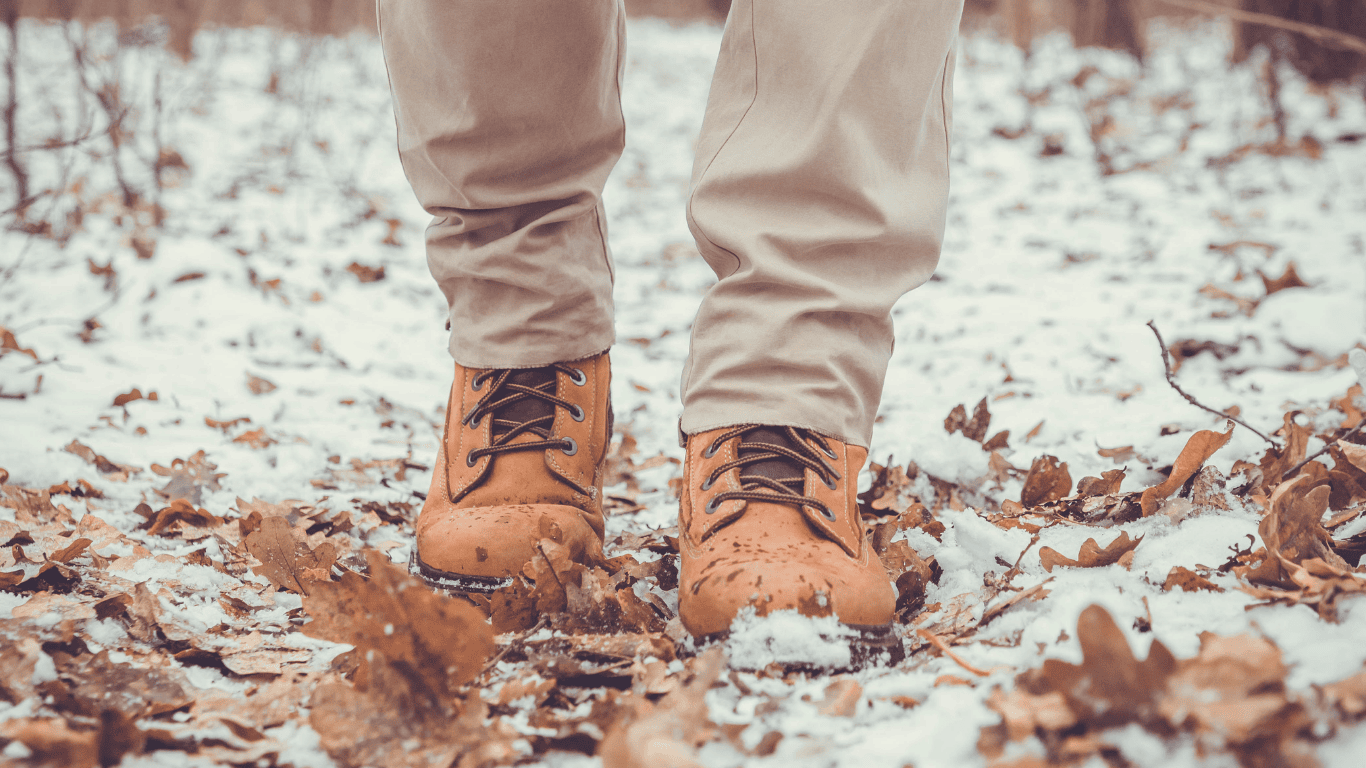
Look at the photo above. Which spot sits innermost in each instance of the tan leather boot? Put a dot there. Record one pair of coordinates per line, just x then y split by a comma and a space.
521, 460
769, 518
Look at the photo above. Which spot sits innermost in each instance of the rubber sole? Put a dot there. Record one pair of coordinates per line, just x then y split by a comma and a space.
454, 582
871, 646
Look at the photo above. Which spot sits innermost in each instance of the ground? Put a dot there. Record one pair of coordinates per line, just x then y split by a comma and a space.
230, 385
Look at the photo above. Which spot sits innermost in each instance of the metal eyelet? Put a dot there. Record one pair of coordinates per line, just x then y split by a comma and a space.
572, 448
579, 379
831, 484
477, 383
711, 451
828, 515
706, 484
712, 505
470, 459
829, 453
577, 414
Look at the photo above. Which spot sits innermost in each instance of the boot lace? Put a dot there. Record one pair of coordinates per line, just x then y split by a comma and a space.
499, 404
800, 453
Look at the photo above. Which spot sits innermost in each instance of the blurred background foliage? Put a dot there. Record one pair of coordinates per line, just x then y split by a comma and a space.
1116, 24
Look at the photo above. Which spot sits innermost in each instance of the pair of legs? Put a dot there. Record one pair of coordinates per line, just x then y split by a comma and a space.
818, 198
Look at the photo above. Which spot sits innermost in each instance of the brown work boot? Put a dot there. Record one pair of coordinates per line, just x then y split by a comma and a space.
521, 460
769, 519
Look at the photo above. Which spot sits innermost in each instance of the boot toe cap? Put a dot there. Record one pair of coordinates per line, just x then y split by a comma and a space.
496, 542
858, 596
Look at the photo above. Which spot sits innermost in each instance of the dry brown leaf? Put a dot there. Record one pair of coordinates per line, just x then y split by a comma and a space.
1199, 448
258, 385
284, 554
256, 438
1352, 415
1047, 481
133, 394
169, 520
111, 470
1277, 461
443, 642
1290, 279
51, 742
1188, 581
1119, 455
189, 477
667, 733
10, 344
841, 698
1106, 484
976, 428
1091, 554
226, 425
365, 274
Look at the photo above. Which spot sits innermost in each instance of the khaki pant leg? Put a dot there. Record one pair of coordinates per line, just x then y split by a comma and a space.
818, 198
509, 121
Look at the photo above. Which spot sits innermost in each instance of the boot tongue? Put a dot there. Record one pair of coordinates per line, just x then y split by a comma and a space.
527, 408
774, 469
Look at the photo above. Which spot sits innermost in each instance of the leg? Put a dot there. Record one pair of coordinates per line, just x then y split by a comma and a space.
509, 121
818, 198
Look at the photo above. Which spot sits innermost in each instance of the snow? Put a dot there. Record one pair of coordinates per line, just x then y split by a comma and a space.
1050, 271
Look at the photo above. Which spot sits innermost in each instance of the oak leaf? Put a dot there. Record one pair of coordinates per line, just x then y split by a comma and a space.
1106, 484
1091, 554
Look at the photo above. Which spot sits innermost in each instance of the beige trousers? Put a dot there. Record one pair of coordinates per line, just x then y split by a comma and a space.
818, 189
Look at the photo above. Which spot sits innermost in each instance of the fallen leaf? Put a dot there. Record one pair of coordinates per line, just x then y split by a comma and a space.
1091, 554
365, 274
285, 555
111, 470
1119, 455
1188, 581
189, 478
1106, 484
667, 733
1290, 279
1197, 451
256, 438
258, 385
1047, 481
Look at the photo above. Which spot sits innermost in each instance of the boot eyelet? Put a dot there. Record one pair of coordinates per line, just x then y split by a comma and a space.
828, 515
831, 484
470, 459
572, 447
477, 383
579, 378
829, 453
711, 451
706, 484
577, 414
713, 505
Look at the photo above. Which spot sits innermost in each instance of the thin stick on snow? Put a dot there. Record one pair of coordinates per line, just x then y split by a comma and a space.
1357, 357
1167, 366
1330, 37
942, 647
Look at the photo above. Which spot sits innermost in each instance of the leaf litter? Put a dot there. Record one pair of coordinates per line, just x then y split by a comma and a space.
150, 613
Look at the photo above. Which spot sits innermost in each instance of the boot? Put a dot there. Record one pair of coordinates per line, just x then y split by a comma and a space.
769, 519
521, 459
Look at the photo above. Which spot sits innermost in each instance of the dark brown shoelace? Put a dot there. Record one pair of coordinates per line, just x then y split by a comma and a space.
772, 461
521, 401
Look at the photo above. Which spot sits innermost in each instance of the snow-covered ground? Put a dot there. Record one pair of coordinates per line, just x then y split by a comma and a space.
1050, 271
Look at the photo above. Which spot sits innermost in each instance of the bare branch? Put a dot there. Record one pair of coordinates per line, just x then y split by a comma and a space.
1167, 366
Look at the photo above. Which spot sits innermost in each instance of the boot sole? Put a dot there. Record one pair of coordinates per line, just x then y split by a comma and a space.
873, 646
445, 581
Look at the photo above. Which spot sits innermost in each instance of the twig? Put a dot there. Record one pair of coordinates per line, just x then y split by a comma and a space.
1167, 366
939, 645
1354, 431
12, 106
1330, 37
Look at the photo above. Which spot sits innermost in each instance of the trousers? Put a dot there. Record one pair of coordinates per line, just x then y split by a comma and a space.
818, 191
